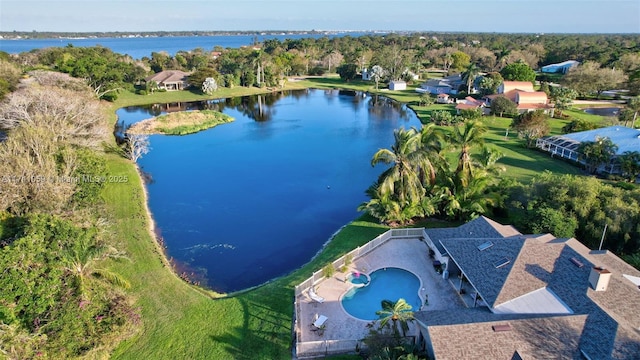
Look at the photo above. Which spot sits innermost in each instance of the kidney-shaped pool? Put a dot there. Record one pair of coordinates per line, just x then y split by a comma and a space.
386, 284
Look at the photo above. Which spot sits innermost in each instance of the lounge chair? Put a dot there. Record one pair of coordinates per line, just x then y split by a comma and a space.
315, 297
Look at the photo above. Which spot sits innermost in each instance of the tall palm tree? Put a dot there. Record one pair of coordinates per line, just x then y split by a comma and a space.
465, 137
398, 312
431, 145
469, 75
82, 260
402, 180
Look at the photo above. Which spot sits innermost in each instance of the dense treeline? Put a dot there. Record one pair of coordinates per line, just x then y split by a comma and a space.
570, 206
400, 56
58, 299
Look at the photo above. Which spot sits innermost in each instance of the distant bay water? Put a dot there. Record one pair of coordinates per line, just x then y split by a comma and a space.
139, 47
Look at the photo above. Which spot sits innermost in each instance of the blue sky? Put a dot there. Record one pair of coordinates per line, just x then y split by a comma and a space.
602, 16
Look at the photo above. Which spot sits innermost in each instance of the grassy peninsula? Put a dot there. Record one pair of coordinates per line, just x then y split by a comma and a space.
181, 123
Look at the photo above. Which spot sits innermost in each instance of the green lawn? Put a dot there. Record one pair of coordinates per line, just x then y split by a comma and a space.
180, 321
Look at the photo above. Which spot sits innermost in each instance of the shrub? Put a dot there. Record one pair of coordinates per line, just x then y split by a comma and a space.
317, 71
328, 270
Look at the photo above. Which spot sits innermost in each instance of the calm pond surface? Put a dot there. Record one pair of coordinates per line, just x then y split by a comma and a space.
245, 202
604, 111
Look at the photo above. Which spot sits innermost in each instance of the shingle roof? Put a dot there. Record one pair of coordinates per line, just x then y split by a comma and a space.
481, 227
469, 334
480, 266
168, 76
612, 327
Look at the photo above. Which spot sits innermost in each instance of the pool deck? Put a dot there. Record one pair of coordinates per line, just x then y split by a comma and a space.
408, 254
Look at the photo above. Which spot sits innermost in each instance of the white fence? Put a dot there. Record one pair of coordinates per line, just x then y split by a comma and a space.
360, 251
313, 349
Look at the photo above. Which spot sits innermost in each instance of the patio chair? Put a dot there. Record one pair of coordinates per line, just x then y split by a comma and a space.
315, 297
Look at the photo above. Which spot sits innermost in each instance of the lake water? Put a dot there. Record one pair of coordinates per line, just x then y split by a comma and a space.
245, 202
140, 47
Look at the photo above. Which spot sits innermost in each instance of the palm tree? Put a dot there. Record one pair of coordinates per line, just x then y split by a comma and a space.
630, 165
501, 57
466, 137
487, 159
82, 261
469, 75
402, 180
464, 202
596, 153
398, 312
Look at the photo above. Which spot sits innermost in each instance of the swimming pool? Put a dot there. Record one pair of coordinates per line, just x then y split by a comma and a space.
386, 284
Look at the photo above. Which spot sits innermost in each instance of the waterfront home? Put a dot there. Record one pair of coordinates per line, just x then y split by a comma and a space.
170, 80
493, 293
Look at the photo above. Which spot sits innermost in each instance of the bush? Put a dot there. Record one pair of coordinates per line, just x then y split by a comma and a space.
328, 270
317, 71
110, 97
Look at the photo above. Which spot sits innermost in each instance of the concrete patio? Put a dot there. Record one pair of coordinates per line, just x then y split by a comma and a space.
408, 254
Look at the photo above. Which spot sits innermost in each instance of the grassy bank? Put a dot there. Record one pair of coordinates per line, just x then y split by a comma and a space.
181, 123
180, 322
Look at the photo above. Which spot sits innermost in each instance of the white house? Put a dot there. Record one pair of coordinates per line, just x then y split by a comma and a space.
365, 74
397, 85
444, 99
562, 67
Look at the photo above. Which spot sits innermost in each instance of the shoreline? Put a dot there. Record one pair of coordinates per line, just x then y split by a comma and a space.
151, 229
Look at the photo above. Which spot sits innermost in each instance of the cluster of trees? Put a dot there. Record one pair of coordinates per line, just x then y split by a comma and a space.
104, 71
576, 206
423, 182
57, 297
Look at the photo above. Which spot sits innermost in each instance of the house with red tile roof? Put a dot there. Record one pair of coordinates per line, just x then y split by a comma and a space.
444, 98
470, 103
523, 94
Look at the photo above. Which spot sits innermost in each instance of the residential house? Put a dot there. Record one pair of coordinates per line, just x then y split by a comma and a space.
443, 98
170, 80
530, 297
470, 103
523, 94
397, 85
562, 67
366, 75
566, 146
446, 85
